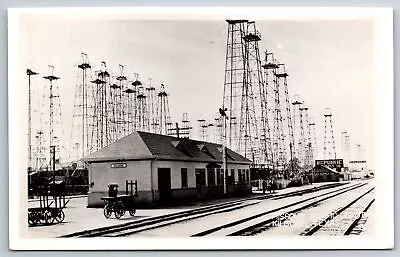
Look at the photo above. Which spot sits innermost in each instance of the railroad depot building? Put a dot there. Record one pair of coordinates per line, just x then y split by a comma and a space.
167, 169
323, 173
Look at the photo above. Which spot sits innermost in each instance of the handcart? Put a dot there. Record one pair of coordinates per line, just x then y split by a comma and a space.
51, 205
119, 204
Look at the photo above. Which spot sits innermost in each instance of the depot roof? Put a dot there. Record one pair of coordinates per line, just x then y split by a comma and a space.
143, 146
326, 169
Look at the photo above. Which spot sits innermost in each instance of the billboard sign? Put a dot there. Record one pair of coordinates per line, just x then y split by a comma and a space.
332, 163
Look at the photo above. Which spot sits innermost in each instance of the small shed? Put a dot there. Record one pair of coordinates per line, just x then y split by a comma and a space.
168, 169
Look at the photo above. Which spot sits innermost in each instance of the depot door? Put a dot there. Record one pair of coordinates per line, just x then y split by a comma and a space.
164, 184
200, 180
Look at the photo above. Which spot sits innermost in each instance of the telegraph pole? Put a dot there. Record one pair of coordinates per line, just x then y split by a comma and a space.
30, 73
225, 164
182, 131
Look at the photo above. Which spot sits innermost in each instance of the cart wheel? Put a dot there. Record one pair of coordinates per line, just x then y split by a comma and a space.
107, 211
122, 212
46, 219
60, 216
118, 213
51, 217
35, 218
31, 218
42, 217
132, 212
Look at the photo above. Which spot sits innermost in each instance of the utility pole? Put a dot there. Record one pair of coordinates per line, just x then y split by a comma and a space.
177, 129
182, 131
174, 131
225, 164
30, 73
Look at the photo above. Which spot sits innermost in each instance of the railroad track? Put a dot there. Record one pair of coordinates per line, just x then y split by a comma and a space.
262, 221
164, 220
343, 220
357, 226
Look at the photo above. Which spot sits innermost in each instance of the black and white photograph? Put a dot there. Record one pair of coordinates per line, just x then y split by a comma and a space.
201, 128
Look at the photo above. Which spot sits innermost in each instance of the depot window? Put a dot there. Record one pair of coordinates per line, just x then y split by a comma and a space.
219, 176
211, 177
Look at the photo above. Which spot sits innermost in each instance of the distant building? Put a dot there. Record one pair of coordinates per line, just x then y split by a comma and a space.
168, 169
335, 164
358, 169
323, 173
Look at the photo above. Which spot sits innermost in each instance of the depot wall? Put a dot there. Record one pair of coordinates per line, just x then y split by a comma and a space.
191, 191
101, 174
176, 166
146, 173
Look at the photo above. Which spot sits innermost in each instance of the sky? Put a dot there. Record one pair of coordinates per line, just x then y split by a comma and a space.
329, 62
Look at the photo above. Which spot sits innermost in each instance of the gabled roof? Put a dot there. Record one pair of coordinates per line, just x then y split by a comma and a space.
129, 147
143, 145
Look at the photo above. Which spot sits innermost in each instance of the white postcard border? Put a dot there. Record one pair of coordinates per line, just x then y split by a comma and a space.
384, 151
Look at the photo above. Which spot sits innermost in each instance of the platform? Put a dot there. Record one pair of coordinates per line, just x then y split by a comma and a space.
78, 217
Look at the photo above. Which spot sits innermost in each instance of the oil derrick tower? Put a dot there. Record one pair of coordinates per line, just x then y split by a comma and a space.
129, 105
309, 150
360, 152
343, 133
346, 148
185, 127
114, 111
203, 129
120, 111
142, 113
152, 108
163, 116
234, 78
254, 126
82, 114
307, 141
274, 107
30, 73
135, 111
246, 128
54, 121
39, 113
101, 134
296, 127
40, 153
329, 138
302, 144
281, 76
313, 132
218, 127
